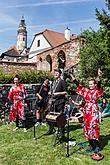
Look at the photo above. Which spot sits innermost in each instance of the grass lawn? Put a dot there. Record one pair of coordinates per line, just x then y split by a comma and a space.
19, 148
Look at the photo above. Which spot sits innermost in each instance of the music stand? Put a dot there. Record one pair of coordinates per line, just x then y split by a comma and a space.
31, 100
68, 118
57, 137
76, 98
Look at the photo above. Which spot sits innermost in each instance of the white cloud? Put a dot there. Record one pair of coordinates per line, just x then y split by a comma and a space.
49, 2
7, 23
6, 29
6, 19
65, 23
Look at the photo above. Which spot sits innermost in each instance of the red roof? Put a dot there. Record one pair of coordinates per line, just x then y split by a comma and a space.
12, 51
54, 38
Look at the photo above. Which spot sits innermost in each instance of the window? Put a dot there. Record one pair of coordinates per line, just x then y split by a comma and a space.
38, 43
23, 38
40, 59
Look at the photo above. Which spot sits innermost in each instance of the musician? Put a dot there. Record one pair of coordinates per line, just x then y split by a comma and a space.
61, 65
42, 102
57, 93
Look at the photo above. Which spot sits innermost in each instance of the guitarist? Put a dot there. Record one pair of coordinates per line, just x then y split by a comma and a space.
58, 92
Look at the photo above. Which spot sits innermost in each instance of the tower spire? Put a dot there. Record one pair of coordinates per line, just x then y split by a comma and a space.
21, 35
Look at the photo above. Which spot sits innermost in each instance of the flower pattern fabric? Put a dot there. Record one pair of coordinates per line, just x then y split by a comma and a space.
16, 96
91, 111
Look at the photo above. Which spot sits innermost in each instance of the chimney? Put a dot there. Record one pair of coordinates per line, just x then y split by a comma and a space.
67, 34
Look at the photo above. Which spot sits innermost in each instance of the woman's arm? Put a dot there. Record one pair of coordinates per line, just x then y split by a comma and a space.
99, 79
74, 80
99, 84
39, 96
60, 93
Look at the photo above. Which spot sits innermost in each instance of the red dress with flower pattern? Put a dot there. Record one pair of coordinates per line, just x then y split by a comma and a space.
91, 111
16, 96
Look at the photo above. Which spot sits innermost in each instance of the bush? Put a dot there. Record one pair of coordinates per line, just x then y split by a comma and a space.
26, 77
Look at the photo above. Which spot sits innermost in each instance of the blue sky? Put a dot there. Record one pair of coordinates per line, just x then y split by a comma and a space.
56, 15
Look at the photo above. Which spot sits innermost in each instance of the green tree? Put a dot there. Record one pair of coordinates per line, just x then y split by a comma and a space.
96, 53
104, 19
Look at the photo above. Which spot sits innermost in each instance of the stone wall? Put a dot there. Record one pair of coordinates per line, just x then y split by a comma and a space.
71, 51
15, 67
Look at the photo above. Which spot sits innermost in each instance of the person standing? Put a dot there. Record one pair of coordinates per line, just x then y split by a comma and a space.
91, 111
42, 101
61, 65
57, 96
17, 96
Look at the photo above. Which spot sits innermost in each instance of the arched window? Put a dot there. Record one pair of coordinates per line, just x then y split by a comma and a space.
61, 59
40, 59
49, 60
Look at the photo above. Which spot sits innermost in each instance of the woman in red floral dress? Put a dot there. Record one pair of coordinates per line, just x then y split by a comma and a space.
91, 112
17, 95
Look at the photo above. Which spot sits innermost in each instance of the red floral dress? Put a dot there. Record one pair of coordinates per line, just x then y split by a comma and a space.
91, 111
17, 95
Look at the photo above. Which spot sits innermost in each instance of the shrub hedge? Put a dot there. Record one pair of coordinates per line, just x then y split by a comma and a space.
33, 77
26, 77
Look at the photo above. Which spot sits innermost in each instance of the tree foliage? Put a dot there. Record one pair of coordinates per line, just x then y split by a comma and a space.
96, 53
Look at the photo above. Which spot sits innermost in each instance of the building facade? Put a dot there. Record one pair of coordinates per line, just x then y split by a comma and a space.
48, 46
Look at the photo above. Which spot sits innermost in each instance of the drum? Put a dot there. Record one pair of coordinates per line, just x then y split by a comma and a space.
57, 119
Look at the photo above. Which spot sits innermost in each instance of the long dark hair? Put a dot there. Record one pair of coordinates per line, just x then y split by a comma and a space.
16, 76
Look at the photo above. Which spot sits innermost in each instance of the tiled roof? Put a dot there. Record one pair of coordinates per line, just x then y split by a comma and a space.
54, 38
12, 52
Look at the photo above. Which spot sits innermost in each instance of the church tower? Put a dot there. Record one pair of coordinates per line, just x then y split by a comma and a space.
21, 35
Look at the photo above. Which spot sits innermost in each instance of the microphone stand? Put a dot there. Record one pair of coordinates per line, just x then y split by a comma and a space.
67, 153
34, 132
17, 117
